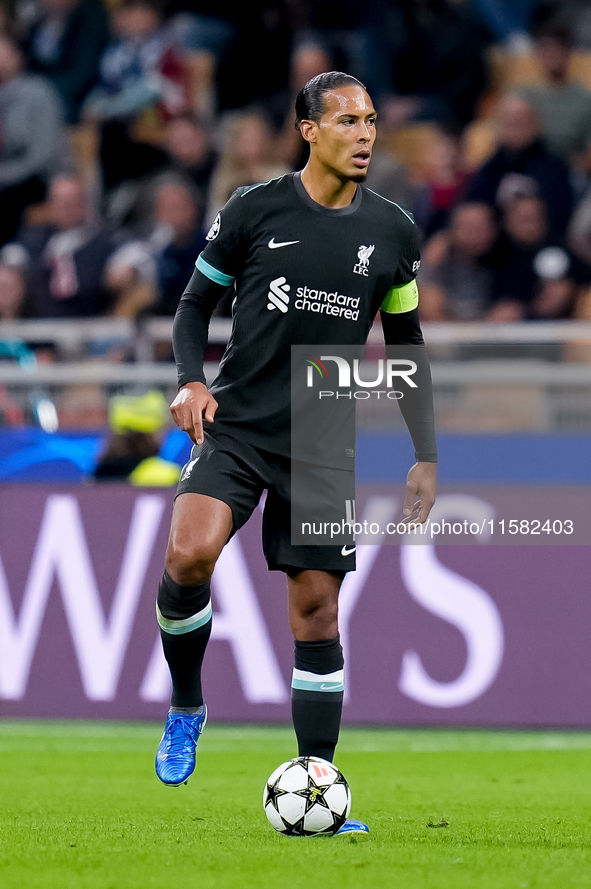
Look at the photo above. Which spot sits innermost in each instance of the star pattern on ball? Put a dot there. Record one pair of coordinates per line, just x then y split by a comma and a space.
314, 795
297, 829
274, 792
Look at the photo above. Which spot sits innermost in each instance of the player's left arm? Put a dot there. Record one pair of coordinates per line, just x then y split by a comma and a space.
404, 339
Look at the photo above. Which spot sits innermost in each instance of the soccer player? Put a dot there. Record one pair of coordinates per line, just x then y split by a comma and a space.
286, 245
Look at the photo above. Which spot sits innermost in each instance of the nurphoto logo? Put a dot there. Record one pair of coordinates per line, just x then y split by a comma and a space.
384, 374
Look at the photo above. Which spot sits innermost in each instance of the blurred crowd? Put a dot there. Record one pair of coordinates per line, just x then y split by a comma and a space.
125, 125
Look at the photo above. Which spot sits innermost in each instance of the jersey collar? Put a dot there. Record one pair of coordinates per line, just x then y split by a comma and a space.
326, 211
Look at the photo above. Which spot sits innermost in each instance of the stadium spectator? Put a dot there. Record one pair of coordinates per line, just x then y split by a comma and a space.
255, 69
33, 145
350, 33
65, 259
140, 71
187, 150
224, 38
13, 307
563, 107
307, 60
207, 34
509, 21
190, 150
132, 449
179, 213
163, 260
573, 14
445, 183
389, 178
65, 44
248, 157
12, 292
13, 297
436, 53
579, 230
456, 279
6, 21
537, 276
522, 163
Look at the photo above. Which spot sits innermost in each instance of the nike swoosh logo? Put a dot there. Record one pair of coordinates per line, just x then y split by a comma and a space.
330, 686
347, 550
274, 246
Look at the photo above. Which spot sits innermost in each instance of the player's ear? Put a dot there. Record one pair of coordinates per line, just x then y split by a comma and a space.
308, 129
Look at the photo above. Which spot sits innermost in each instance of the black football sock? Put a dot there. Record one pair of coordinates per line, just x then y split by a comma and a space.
317, 696
184, 617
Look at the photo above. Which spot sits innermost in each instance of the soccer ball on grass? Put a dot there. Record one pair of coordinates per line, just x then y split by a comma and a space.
307, 796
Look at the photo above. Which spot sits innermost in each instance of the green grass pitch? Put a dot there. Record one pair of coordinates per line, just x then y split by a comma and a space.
81, 808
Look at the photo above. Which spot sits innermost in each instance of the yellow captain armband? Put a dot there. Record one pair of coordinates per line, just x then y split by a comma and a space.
401, 299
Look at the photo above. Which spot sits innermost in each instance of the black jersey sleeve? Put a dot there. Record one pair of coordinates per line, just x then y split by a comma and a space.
410, 256
403, 295
217, 266
402, 328
191, 326
225, 254
404, 339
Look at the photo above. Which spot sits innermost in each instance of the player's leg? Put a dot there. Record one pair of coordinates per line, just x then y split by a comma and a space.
315, 573
317, 683
314, 577
217, 493
200, 527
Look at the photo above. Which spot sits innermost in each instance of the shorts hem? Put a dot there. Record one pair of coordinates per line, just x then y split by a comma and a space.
286, 567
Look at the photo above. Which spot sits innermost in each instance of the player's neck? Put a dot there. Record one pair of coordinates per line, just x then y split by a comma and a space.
327, 189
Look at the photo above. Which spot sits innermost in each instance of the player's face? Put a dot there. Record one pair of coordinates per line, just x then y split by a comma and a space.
344, 136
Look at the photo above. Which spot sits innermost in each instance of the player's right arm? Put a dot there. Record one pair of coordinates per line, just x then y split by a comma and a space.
189, 340
216, 268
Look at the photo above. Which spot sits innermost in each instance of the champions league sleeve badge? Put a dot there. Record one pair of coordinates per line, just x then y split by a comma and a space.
215, 229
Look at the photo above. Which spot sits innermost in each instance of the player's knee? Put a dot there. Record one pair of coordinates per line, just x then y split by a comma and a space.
320, 617
189, 565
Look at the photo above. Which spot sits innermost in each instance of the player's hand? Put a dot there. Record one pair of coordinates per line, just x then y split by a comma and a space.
193, 402
420, 493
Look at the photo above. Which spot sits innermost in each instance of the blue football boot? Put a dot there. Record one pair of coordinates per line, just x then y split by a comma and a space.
175, 759
352, 827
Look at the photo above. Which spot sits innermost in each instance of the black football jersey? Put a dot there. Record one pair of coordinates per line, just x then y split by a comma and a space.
303, 274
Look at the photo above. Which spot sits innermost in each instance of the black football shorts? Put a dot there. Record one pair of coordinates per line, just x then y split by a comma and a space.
238, 474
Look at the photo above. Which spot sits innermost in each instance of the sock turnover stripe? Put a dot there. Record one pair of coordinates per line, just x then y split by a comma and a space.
306, 681
187, 625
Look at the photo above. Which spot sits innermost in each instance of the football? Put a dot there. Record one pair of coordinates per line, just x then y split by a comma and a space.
307, 796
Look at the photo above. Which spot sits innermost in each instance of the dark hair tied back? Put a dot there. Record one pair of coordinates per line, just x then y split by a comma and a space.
309, 104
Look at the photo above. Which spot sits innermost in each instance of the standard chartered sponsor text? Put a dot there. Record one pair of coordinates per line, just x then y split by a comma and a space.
324, 303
